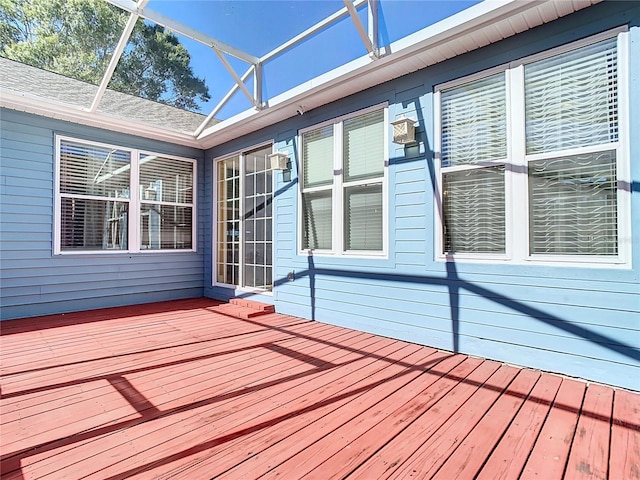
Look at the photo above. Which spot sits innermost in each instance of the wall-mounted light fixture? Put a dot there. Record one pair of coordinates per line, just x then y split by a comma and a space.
404, 131
279, 161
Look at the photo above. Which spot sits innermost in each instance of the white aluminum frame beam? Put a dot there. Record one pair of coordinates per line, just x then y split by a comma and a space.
235, 77
115, 58
222, 102
340, 14
373, 26
177, 27
364, 35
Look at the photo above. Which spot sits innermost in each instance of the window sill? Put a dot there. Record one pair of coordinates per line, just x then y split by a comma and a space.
565, 261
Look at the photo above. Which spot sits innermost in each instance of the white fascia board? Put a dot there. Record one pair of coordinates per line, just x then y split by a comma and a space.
282, 106
63, 111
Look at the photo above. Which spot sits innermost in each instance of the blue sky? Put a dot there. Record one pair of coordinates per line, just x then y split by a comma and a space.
258, 26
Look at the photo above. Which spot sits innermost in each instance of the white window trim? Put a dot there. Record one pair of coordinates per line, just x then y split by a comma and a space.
517, 226
214, 219
337, 189
134, 224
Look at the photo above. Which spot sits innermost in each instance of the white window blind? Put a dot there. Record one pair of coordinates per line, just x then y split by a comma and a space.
94, 188
166, 180
474, 130
570, 150
474, 125
474, 211
317, 157
571, 99
317, 221
363, 222
166, 196
93, 170
573, 206
363, 146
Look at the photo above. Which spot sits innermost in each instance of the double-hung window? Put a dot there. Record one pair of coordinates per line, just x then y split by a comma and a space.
114, 199
531, 157
343, 184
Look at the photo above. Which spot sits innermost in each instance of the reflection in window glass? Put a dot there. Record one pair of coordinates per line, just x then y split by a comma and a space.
165, 227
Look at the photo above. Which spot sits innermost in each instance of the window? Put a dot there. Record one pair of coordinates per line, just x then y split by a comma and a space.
530, 159
244, 189
343, 184
117, 199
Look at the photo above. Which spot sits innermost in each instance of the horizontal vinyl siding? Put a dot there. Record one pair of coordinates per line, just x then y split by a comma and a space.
33, 280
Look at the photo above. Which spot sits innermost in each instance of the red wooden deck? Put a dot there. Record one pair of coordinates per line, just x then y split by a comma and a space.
188, 390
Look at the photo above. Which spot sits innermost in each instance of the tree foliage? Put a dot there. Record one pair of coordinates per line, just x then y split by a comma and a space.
77, 38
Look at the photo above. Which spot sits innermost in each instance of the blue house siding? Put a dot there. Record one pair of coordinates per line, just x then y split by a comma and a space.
580, 321
36, 282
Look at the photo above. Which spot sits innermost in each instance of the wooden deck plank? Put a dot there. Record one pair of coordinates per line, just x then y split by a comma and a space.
231, 361
509, 457
308, 428
398, 449
469, 457
246, 424
184, 401
184, 390
625, 436
432, 454
549, 456
196, 401
117, 347
138, 361
180, 366
369, 430
589, 457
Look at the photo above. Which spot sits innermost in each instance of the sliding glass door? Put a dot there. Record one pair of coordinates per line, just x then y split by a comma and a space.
244, 195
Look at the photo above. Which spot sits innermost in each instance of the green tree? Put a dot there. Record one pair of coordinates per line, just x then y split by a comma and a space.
77, 38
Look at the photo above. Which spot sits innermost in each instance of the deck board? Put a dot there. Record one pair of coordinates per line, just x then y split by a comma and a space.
184, 389
625, 441
589, 457
510, 455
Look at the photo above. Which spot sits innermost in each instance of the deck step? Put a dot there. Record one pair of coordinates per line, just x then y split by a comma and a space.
244, 309
252, 304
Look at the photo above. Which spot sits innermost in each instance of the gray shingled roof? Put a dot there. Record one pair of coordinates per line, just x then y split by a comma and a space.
27, 80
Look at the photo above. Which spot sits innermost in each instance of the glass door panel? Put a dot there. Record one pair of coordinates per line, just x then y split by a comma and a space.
228, 221
257, 218
244, 220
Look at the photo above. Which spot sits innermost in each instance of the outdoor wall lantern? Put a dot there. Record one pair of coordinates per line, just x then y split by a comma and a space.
404, 131
279, 161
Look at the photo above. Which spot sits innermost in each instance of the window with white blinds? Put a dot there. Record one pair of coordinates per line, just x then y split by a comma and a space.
95, 207
474, 210
474, 132
474, 122
554, 120
363, 217
343, 177
318, 144
571, 100
166, 203
363, 146
317, 220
